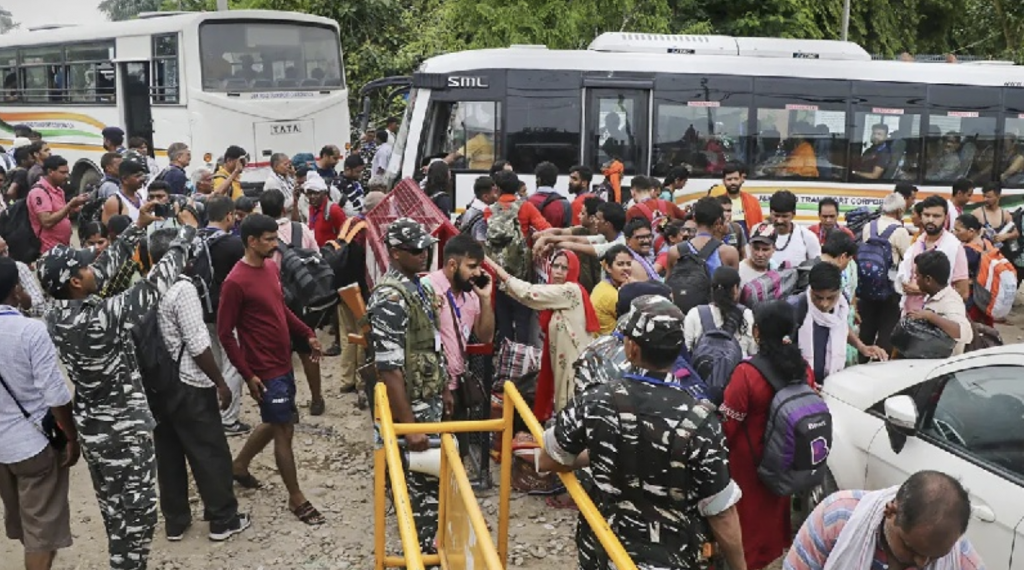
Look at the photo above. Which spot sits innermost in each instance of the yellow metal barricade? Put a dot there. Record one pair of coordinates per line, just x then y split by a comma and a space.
463, 539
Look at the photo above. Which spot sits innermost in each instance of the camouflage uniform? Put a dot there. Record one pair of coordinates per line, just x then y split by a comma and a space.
403, 329
110, 409
658, 457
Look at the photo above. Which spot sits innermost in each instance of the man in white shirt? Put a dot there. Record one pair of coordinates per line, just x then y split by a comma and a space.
383, 154
189, 423
943, 306
794, 243
33, 475
281, 178
760, 249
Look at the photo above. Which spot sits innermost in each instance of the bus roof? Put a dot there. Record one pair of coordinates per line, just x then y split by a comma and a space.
787, 48
541, 58
149, 25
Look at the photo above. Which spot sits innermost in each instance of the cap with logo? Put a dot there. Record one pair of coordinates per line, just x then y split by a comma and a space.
764, 233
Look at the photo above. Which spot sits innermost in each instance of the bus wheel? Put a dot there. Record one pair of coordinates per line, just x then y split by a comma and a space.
88, 179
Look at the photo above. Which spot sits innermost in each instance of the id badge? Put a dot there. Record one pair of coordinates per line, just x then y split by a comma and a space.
437, 342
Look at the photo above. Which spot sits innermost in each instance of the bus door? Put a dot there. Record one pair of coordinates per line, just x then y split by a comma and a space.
136, 109
617, 123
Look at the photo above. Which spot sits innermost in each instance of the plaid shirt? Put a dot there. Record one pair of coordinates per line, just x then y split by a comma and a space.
180, 316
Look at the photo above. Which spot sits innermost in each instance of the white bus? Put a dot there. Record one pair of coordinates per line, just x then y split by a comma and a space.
701, 101
266, 81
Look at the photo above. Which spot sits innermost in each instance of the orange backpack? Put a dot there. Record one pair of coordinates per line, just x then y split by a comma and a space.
995, 286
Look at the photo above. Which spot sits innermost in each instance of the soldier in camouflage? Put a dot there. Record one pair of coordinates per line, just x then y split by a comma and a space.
658, 456
406, 347
93, 338
604, 360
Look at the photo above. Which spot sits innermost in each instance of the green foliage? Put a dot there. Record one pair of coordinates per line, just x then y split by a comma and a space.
7, 23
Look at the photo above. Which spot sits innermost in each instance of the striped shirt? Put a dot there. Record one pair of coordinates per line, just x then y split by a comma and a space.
819, 534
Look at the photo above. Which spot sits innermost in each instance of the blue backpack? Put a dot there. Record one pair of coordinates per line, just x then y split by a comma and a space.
717, 353
874, 259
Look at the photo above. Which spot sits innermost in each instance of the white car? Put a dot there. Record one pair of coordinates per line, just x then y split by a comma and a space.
963, 416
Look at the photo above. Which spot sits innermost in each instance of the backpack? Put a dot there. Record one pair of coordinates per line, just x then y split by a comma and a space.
505, 243
23, 244
874, 260
307, 280
566, 208
92, 211
798, 436
465, 224
201, 271
655, 215
690, 279
337, 252
716, 353
160, 371
995, 286
772, 285
857, 218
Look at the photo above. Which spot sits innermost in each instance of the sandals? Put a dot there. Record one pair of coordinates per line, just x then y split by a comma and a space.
247, 481
317, 407
308, 514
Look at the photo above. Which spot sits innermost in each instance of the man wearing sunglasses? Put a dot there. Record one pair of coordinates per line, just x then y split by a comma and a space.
406, 349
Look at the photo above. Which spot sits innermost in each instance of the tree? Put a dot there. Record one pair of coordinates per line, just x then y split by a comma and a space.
117, 10
7, 22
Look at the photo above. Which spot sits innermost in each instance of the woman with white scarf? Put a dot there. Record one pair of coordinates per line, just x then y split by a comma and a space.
919, 524
823, 327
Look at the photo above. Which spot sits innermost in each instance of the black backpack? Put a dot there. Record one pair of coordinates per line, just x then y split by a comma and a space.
339, 254
307, 280
690, 279
22, 242
858, 218
92, 211
160, 371
202, 274
566, 208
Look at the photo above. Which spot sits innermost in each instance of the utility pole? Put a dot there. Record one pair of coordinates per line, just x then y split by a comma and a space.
846, 19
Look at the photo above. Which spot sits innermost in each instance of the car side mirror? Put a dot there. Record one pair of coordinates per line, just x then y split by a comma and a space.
900, 420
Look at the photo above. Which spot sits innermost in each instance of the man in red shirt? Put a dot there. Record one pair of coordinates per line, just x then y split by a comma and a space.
555, 207
646, 203
580, 179
828, 218
325, 217
252, 306
47, 210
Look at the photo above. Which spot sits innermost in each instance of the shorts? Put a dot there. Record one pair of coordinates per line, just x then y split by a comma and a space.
35, 497
278, 404
301, 345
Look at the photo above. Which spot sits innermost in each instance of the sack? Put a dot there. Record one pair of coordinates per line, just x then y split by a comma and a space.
984, 337
160, 371
874, 261
566, 208
49, 427
857, 218
798, 437
995, 287
516, 360
716, 353
22, 242
772, 285
307, 280
505, 242
917, 339
690, 279
200, 270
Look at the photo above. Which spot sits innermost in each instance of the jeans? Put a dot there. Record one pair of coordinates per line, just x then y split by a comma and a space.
512, 318
877, 321
231, 377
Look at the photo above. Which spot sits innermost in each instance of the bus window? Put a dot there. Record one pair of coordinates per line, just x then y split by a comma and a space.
700, 122
617, 128
9, 75
42, 74
800, 129
90, 77
543, 119
886, 138
261, 56
465, 130
1010, 164
961, 132
165, 68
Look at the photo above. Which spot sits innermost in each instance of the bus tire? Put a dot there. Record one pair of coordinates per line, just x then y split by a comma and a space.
84, 175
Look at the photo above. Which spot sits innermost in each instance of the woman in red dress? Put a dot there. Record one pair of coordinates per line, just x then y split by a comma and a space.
764, 516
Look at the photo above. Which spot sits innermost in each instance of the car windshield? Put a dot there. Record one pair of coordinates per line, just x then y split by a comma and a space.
269, 56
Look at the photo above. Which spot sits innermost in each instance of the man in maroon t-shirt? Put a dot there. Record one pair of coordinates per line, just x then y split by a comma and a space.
252, 306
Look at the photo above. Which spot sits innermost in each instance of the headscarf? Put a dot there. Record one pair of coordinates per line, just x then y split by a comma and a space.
543, 405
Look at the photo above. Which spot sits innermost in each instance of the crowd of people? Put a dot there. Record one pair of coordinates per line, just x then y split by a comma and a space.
664, 335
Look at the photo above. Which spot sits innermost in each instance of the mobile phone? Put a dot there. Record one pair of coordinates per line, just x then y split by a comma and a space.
162, 210
481, 280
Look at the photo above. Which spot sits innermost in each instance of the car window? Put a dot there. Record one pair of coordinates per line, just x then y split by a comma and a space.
981, 412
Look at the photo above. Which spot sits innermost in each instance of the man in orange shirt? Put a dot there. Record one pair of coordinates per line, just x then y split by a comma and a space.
746, 209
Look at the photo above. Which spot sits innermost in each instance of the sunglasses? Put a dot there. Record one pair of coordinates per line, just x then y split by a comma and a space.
413, 250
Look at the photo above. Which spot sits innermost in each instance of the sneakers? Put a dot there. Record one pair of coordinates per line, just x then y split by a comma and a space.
220, 532
237, 428
333, 350
176, 533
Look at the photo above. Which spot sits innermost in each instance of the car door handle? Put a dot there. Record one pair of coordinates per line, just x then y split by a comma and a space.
983, 513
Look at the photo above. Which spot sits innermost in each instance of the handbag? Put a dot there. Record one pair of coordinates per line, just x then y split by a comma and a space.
470, 391
516, 360
48, 427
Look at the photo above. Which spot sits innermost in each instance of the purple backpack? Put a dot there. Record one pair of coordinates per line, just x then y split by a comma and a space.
772, 285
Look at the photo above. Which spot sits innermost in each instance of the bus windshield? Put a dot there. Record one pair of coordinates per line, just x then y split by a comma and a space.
247, 56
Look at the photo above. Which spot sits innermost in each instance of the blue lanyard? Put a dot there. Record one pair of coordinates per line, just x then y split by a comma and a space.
426, 304
10, 313
458, 313
649, 380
